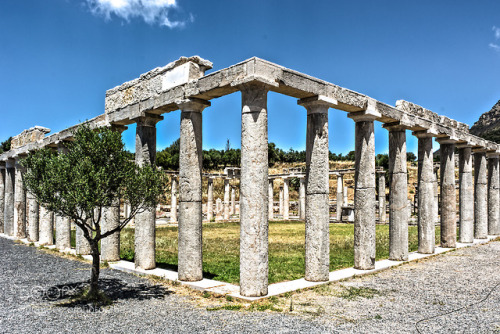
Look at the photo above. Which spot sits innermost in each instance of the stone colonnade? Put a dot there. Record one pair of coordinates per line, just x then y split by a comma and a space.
143, 100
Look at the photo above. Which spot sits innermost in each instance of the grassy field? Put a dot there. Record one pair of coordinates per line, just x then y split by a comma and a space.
286, 248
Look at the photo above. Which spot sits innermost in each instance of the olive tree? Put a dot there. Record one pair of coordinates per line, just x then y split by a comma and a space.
93, 175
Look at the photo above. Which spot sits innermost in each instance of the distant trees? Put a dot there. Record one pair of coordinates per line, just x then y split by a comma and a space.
5, 145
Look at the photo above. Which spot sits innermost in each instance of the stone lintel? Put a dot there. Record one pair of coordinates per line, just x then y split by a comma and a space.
318, 100
193, 104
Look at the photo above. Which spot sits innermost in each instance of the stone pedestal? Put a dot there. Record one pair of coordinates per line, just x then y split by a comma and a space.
145, 232
173, 201
364, 196
190, 191
448, 194
302, 199
254, 191
398, 194
493, 194
226, 199
480, 195
286, 199
382, 214
46, 233
317, 254
10, 173
426, 199
210, 200
32, 218
19, 202
271, 199
466, 197
2, 195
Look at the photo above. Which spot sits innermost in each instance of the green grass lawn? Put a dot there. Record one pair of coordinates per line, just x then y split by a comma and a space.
286, 248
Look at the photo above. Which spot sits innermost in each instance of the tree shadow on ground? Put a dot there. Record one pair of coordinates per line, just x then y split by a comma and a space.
114, 290
174, 267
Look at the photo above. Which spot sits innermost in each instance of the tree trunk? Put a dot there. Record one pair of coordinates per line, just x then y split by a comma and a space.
94, 279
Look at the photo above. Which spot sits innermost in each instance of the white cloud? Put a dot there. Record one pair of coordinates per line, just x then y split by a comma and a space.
495, 47
151, 11
497, 32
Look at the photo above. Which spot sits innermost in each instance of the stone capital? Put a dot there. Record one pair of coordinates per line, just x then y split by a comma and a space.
254, 82
192, 105
447, 140
479, 150
317, 104
464, 145
369, 114
148, 120
118, 127
397, 126
492, 154
10, 163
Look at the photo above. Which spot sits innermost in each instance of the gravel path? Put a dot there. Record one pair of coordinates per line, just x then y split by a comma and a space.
393, 301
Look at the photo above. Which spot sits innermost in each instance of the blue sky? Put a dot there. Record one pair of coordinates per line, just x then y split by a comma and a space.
58, 57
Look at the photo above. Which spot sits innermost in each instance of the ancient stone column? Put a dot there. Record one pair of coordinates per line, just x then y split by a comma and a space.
381, 197
480, 195
10, 173
82, 246
2, 195
317, 252
281, 203
218, 207
145, 222
448, 194
226, 199
271, 199
493, 194
466, 194
436, 195
426, 199
19, 202
302, 198
286, 199
62, 224
173, 201
190, 191
364, 195
46, 233
232, 210
210, 200
398, 193
32, 217
253, 191
346, 198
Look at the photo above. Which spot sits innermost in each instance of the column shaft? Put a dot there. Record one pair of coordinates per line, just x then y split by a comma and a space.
381, 198
46, 233
210, 200
10, 172
480, 195
253, 192
493, 195
2, 197
317, 253
398, 195
448, 196
82, 245
33, 218
233, 201
364, 196
302, 199
145, 229
466, 195
173, 201
426, 199
226, 199
281, 202
271, 199
286, 199
110, 246
190, 192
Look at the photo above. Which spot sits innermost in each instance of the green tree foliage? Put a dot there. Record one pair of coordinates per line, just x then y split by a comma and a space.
94, 174
5, 145
411, 157
382, 160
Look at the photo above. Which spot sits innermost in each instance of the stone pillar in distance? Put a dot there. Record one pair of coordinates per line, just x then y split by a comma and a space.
226, 198
46, 233
271, 199
190, 190
19, 202
480, 194
2, 195
210, 199
398, 194
32, 217
62, 224
493, 194
426, 198
364, 195
254, 195
145, 222
448, 194
173, 200
382, 214
10, 173
232, 210
286, 199
466, 194
317, 252
302, 198
281, 202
